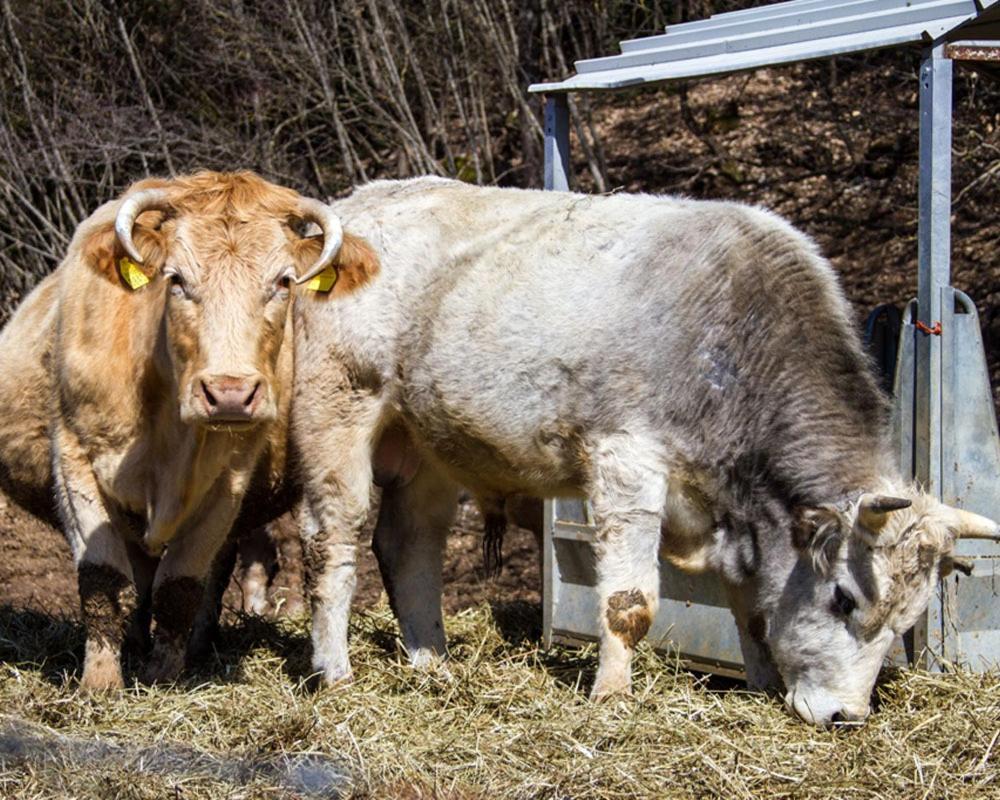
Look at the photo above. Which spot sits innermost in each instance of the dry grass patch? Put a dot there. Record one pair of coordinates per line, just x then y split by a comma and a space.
506, 720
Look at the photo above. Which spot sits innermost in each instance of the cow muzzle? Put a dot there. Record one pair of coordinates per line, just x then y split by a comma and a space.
228, 400
824, 710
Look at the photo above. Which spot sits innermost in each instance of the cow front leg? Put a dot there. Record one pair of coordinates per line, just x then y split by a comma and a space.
108, 598
180, 582
409, 543
334, 425
331, 520
628, 494
108, 602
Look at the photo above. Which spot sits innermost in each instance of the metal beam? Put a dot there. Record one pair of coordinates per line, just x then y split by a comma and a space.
933, 257
557, 171
981, 50
557, 163
933, 278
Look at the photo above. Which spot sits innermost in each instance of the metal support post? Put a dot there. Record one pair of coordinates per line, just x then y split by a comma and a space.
557, 164
934, 276
933, 256
557, 167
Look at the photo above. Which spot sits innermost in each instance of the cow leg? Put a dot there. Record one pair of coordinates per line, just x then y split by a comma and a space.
108, 596
409, 543
143, 570
330, 525
181, 580
206, 623
288, 600
628, 495
337, 504
258, 560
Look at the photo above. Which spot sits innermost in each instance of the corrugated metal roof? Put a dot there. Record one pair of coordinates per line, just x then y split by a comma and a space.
779, 33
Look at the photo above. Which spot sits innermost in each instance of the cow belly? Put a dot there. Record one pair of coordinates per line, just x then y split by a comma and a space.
546, 463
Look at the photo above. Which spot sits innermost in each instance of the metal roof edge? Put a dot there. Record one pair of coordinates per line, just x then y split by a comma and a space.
985, 23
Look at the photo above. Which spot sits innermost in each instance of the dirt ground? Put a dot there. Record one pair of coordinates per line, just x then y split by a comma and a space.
36, 569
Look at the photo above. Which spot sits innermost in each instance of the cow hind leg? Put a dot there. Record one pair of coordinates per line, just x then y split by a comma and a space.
409, 544
258, 558
628, 494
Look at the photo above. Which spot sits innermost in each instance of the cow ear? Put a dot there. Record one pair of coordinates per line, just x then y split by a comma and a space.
356, 262
949, 564
354, 266
104, 254
819, 532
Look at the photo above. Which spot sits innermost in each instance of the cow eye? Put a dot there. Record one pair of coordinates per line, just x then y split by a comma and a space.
283, 285
843, 603
177, 288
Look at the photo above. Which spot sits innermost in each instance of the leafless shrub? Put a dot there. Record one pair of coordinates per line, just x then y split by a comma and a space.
314, 94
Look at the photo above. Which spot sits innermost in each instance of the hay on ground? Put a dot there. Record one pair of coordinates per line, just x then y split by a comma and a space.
507, 720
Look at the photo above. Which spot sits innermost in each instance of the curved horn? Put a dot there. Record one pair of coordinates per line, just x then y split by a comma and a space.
973, 526
131, 208
874, 509
333, 235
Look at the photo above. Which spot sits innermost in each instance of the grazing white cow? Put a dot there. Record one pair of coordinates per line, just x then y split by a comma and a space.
691, 367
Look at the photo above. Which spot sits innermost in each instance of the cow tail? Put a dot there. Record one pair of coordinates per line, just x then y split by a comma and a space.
494, 530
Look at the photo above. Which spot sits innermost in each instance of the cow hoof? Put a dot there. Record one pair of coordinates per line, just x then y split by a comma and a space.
102, 671
320, 680
163, 667
102, 680
427, 660
329, 677
614, 688
433, 666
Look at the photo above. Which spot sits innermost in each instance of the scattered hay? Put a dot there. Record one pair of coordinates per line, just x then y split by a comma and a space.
505, 720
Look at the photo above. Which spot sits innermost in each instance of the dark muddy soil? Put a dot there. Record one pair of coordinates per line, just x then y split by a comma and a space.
36, 569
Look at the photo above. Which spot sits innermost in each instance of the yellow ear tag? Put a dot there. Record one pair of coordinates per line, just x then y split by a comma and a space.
131, 274
323, 282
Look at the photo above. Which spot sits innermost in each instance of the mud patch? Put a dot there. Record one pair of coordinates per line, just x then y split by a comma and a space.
107, 602
629, 617
175, 604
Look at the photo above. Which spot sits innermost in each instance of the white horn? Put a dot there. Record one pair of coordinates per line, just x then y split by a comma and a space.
131, 208
333, 235
973, 526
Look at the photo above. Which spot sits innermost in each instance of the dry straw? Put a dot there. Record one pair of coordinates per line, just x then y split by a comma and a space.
507, 720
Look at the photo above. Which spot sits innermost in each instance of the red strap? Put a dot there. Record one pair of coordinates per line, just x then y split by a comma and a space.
924, 328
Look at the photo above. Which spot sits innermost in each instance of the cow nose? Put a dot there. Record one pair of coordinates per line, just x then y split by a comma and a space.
230, 399
847, 716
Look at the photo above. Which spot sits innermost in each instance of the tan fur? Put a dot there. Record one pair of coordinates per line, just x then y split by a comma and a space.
105, 379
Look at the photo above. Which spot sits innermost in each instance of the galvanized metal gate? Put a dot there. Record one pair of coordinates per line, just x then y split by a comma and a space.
944, 422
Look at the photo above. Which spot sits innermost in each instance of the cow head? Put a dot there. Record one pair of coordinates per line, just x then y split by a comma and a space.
221, 253
863, 572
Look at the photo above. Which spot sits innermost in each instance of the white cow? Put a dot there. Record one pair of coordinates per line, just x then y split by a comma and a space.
688, 366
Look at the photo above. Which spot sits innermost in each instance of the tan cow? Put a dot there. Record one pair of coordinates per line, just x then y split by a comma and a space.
144, 379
